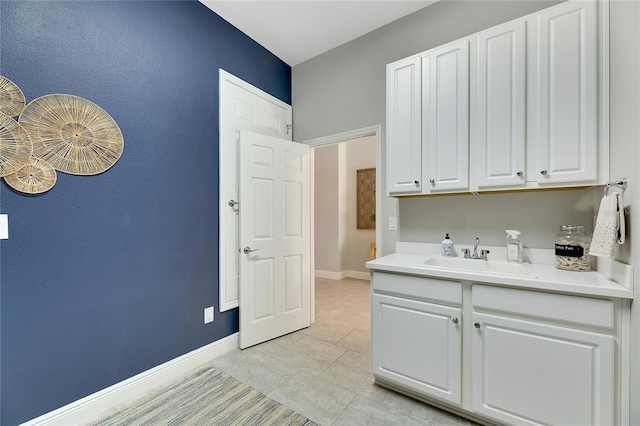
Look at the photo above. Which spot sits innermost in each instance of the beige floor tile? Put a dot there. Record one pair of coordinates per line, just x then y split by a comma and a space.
425, 413
263, 372
358, 341
327, 331
313, 397
351, 372
310, 354
366, 412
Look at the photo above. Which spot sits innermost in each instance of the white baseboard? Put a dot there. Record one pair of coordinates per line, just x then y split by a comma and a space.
330, 275
359, 275
100, 403
343, 274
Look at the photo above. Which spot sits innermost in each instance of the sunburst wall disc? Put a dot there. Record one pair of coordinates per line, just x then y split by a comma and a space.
15, 146
12, 100
72, 134
36, 177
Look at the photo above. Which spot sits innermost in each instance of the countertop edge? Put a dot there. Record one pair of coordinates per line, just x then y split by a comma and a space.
600, 285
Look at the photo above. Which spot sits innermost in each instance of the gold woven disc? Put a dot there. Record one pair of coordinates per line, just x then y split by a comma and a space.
12, 100
15, 146
72, 134
36, 177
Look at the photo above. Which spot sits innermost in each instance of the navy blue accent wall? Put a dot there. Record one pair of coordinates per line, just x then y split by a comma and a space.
107, 276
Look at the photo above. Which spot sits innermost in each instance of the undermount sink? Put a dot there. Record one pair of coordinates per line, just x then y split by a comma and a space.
484, 266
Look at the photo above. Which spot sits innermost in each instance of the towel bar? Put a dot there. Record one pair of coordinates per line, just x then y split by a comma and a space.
622, 184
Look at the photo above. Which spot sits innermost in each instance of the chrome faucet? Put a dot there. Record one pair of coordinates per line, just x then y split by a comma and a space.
483, 253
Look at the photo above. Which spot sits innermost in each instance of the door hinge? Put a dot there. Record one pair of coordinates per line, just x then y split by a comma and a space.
289, 127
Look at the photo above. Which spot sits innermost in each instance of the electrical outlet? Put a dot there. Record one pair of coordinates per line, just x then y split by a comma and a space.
208, 315
393, 223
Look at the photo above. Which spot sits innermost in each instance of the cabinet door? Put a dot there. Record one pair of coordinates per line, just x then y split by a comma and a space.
567, 119
404, 139
417, 345
500, 105
528, 373
446, 117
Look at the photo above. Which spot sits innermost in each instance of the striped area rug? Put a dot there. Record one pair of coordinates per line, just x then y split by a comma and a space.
208, 397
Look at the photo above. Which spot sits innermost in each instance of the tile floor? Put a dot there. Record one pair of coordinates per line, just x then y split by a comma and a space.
323, 371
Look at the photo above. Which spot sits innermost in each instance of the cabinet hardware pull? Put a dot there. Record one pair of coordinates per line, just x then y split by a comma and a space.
476, 325
543, 172
432, 181
455, 320
520, 173
416, 182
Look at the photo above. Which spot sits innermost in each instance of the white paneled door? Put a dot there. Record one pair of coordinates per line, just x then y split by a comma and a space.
275, 228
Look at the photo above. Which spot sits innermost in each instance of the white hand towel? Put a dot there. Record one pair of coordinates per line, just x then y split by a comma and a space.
610, 227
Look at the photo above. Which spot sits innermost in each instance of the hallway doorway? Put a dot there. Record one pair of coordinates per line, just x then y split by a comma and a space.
331, 257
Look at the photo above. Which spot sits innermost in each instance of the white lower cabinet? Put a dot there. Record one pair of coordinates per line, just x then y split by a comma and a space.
418, 345
506, 355
416, 334
530, 373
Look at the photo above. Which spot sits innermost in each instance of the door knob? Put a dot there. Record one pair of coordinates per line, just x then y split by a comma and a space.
248, 250
232, 203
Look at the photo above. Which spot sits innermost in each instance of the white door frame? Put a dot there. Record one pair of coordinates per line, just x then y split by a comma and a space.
376, 131
226, 80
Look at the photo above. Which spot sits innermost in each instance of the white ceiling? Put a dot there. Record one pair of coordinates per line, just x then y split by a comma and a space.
297, 30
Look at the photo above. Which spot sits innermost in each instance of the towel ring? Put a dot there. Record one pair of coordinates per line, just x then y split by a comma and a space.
622, 184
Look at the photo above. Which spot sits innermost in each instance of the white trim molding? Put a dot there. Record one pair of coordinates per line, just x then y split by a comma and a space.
331, 275
102, 402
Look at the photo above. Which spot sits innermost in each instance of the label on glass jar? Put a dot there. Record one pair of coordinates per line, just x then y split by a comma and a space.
569, 250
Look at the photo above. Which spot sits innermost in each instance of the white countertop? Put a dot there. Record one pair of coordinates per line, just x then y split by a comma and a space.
547, 277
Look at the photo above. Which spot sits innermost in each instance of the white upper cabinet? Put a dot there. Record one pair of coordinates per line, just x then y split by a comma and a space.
498, 129
522, 105
404, 141
446, 117
566, 119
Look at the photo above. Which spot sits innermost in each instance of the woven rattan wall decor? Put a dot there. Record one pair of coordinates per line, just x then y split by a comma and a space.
12, 100
15, 146
53, 132
72, 134
36, 177
366, 198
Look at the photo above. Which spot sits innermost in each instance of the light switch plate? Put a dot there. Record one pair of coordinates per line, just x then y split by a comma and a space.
4, 227
208, 315
393, 223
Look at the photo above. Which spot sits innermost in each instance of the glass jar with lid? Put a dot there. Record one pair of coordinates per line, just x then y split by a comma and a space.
572, 248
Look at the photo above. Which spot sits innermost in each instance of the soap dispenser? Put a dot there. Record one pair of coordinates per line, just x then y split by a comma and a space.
447, 246
514, 246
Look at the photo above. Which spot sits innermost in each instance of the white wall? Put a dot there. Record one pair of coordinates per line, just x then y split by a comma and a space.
361, 154
344, 89
329, 208
625, 154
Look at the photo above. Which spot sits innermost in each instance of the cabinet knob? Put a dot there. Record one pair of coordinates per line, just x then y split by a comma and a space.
543, 172
432, 181
476, 325
416, 182
520, 173
455, 320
